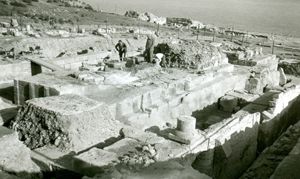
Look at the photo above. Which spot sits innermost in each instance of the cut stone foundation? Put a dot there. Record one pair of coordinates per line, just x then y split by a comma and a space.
230, 157
44, 85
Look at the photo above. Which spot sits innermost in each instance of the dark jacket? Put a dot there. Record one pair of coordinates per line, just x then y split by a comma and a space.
121, 47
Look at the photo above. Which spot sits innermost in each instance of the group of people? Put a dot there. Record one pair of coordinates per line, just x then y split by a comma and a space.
121, 47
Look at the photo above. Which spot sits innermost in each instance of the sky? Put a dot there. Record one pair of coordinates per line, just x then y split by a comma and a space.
266, 15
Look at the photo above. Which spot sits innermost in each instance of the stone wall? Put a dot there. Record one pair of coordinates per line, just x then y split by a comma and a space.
275, 120
233, 144
229, 148
10, 71
165, 104
74, 62
274, 156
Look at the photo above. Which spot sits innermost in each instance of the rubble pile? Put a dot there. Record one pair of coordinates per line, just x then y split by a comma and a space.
190, 54
143, 157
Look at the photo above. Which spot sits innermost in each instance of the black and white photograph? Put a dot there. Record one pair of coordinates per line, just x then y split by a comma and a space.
139, 89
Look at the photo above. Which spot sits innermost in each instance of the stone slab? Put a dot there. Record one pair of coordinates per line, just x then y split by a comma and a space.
94, 161
14, 155
141, 136
169, 149
123, 146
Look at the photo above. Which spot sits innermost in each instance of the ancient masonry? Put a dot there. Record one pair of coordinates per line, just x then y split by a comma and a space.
196, 115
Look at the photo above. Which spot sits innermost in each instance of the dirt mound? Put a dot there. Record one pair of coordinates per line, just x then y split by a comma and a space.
190, 54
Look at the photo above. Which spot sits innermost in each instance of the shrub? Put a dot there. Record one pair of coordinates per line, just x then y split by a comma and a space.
61, 20
70, 21
27, 1
88, 7
36, 20
17, 4
20, 10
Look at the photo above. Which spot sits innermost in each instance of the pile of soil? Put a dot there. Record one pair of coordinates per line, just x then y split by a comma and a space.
190, 54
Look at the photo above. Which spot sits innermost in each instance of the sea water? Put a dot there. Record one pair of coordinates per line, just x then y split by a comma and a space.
268, 16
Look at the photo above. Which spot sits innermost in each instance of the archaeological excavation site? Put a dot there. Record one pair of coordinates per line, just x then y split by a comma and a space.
207, 106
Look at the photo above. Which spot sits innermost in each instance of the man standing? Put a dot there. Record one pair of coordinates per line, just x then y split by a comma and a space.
150, 47
122, 49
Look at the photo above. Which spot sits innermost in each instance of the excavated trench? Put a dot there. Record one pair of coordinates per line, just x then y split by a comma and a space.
235, 157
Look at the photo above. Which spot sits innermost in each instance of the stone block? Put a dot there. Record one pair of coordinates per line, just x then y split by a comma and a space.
141, 136
282, 77
94, 161
130, 62
14, 155
69, 122
228, 103
123, 146
7, 111
169, 149
181, 138
14, 23
253, 85
116, 65
7, 114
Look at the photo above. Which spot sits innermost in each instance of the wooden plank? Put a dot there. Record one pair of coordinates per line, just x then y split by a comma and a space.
46, 64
